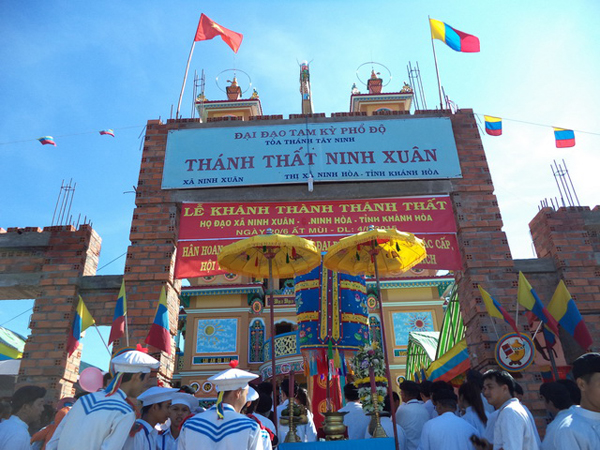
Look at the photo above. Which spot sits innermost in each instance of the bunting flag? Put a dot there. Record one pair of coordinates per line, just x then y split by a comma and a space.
493, 125
564, 138
563, 309
159, 335
108, 132
495, 309
81, 322
47, 140
208, 29
452, 363
456, 40
117, 330
528, 298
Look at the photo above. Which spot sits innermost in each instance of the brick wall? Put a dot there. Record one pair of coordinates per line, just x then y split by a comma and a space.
570, 237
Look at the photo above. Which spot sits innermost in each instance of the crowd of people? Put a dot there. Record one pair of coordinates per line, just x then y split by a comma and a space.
132, 413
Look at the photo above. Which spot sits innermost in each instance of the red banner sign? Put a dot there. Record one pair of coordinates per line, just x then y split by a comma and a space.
199, 258
206, 227
339, 217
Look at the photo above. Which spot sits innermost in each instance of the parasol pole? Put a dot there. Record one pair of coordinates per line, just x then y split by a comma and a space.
384, 348
272, 318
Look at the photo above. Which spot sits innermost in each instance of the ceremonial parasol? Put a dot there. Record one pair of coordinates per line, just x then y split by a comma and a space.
376, 252
269, 255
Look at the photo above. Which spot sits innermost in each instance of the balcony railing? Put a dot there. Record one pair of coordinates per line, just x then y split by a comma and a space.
286, 344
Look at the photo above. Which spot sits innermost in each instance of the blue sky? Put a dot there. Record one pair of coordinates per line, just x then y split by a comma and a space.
74, 68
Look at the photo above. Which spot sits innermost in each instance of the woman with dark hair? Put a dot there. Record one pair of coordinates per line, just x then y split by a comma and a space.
469, 401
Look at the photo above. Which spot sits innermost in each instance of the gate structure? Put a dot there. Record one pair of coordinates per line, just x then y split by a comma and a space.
56, 264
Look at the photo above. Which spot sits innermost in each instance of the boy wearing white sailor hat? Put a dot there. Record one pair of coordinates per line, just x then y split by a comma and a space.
182, 406
104, 419
155, 410
222, 427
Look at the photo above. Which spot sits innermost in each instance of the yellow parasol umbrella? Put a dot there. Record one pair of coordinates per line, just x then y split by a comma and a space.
371, 253
285, 255
269, 255
376, 250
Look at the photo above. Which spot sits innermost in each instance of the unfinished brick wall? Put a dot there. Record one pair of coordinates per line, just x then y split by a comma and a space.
570, 237
57, 256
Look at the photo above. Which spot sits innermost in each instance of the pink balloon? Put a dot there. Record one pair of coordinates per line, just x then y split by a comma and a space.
91, 379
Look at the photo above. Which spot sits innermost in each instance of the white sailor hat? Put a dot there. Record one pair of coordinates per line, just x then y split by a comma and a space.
252, 394
232, 379
181, 398
134, 361
156, 394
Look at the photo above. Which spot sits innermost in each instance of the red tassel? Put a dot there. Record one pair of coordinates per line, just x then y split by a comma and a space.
294, 255
256, 262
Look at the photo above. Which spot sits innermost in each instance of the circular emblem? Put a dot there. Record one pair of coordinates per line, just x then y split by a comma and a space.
230, 276
417, 270
322, 382
195, 385
372, 302
514, 352
256, 306
285, 368
322, 407
207, 386
400, 379
209, 278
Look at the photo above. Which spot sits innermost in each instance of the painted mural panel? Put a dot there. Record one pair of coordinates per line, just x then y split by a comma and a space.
217, 336
405, 322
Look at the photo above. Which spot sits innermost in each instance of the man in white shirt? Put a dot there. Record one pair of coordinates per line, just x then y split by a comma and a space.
222, 427
426, 398
447, 430
558, 401
581, 428
513, 430
103, 420
412, 414
155, 410
355, 419
27, 406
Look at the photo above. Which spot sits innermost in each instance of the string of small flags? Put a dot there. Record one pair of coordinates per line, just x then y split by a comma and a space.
49, 140
564, 137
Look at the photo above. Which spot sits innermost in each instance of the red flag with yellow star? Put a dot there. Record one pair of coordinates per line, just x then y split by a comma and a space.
208, 29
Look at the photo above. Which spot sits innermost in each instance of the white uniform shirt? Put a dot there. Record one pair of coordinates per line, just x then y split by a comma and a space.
356, 420
146, 438
166, 441
431, 408
489, 428
551, 429
388, 427
234, 432
411, 416
306, 433
513, 429
579, 430
95, 422
537, 435
266, 422
447, 431
473, 419
14, 434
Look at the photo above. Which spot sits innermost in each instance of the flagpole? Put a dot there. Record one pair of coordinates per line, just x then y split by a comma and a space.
187, 68
552, 362
437, 72
126, 331
494, 325
537, 330
103, 341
